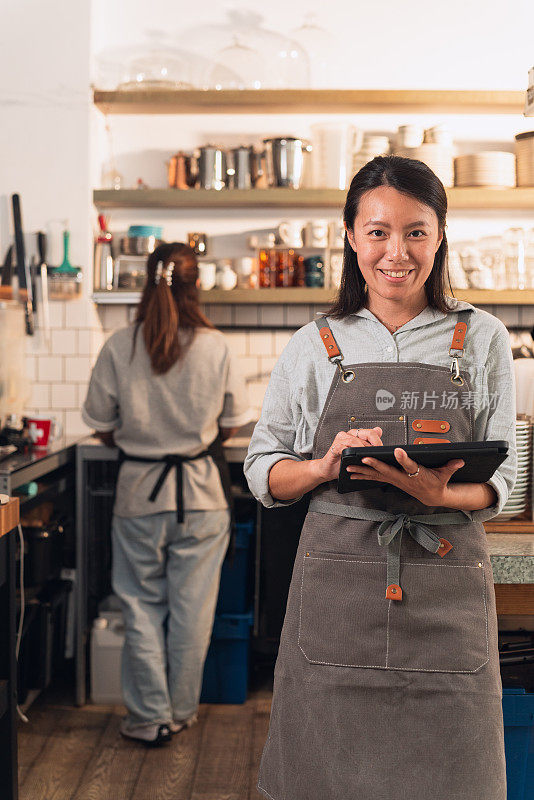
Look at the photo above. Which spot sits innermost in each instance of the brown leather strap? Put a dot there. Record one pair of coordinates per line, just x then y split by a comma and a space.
444, 547
393, 592
431, 425
422, 440
329, 342
458, 336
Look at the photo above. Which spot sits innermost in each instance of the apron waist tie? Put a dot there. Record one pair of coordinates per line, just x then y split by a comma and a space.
169, 462
390, 533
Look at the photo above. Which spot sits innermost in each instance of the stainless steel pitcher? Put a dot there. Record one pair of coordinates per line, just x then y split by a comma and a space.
212, 168
240, 170
285, 160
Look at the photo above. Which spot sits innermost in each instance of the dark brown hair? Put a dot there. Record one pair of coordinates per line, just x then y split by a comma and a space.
413, 178
165, 309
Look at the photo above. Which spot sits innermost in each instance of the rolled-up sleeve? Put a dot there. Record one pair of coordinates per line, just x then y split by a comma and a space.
100, 410
273, 438
500, 422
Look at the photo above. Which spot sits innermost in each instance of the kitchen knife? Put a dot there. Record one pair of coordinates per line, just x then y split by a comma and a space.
23, 270
41, 244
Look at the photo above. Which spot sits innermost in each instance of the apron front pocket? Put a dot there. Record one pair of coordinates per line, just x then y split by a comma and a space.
394, 426
343, 611
441, 625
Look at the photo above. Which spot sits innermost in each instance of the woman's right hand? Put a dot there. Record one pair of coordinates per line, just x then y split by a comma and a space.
328, 465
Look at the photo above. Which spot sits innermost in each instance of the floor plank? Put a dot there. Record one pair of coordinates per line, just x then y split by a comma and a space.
168, 772
224, 759
114, 768
33, 736
60, 767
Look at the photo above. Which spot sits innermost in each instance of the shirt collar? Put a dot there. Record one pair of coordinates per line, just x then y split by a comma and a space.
427, 315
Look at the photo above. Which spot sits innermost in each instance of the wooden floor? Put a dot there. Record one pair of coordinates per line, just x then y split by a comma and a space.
68, 753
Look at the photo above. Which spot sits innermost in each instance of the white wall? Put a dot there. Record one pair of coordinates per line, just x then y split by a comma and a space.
44, 140
53, 142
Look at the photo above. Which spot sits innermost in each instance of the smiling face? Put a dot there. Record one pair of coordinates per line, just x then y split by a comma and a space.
395, 238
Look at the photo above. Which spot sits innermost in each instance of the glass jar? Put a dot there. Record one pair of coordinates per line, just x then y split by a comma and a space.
514, 258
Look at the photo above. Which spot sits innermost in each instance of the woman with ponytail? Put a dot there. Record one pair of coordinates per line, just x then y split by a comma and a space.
166, 391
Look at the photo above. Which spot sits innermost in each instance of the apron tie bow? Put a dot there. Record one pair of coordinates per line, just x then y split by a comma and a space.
390, 536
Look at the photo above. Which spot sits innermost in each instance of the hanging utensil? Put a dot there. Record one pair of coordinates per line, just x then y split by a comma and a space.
23, 270
41, 244
65, 280
6, 290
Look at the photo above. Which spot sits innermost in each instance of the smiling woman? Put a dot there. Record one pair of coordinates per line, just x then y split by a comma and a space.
389, 643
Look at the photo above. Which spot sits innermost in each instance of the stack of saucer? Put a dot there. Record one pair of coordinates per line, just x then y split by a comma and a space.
524, 152
493, 168
437, 156
519, 496
373, 145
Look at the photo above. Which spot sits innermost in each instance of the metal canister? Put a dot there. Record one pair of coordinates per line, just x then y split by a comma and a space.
240, 169
285, 160
212, 168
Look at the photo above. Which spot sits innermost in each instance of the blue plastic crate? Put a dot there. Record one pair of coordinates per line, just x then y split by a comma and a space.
518, 714
234, 583
225, 677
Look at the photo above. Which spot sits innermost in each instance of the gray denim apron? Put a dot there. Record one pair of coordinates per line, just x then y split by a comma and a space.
387, 682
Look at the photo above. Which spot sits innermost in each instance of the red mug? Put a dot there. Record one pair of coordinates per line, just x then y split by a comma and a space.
42, 430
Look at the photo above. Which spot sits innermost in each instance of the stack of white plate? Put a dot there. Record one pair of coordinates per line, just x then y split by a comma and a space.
373, 145
524, 153
493, 168
519, 496
439, 157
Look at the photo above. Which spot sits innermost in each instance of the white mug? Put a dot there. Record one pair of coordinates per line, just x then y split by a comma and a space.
337, 233
290, 233
226, 277
316, 233
206, 273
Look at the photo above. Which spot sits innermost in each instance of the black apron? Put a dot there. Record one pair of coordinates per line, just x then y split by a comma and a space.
175, 461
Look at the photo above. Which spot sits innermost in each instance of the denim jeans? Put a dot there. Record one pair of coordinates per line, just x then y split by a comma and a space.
167, 575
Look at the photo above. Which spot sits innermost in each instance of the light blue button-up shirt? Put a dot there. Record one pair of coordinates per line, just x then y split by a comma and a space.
302, 376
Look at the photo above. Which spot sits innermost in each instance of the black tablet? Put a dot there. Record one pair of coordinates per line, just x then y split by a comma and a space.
481, 460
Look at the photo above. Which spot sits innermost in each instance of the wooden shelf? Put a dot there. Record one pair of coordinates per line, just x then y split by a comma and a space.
299, 101
459, 198
517, 525
238, 296
226, 198
478, 297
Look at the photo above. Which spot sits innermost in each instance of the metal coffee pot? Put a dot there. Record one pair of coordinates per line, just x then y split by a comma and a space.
286, 160
246, 168
212, 168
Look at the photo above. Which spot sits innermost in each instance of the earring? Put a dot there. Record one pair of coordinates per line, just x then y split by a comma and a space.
159, 272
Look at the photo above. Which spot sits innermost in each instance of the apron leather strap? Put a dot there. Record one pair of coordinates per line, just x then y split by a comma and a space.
456, 349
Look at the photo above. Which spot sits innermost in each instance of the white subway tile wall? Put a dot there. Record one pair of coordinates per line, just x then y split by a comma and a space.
60, 368
64, 395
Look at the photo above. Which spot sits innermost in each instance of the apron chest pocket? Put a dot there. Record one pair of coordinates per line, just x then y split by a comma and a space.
441, 625
343, 612
394, 426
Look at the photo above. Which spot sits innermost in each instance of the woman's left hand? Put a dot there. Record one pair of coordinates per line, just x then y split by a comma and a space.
429, 486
